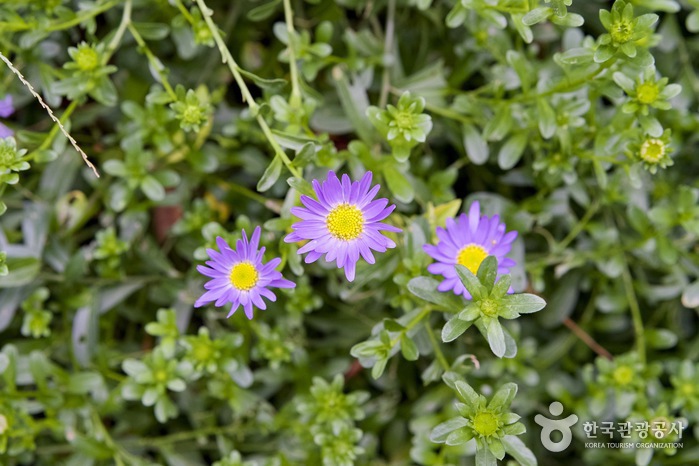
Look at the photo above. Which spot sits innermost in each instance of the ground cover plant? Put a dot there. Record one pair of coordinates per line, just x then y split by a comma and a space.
352, 232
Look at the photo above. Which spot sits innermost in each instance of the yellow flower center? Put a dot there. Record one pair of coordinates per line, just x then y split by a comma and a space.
652, 150
623, 375
647, 93
404, 120
243, 276
485, 423
87, 58
345, 222
202, 352
161, 376
7, 155
471, 257
489, 307
621, 31
192, 114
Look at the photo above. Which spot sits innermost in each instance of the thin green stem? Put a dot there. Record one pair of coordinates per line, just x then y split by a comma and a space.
187, 15
187, 435
388, 58
635, 313
437, 347
269, 203
153, 60
247, 96
82, 17
578, 226
295, 100
415, 320
119, 34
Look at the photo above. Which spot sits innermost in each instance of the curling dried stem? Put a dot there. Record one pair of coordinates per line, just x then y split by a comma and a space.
50, 112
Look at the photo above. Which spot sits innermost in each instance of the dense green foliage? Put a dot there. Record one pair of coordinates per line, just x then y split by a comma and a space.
576, 122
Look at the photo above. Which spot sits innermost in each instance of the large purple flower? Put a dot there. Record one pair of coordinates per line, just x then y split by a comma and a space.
344, 223
6, 109
467, 241
239, 276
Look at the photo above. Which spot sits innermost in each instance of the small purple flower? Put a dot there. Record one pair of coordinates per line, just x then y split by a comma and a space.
467, 241
239, 276
6, 109
344, 223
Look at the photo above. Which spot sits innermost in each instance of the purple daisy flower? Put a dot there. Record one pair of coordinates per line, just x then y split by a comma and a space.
344, 223
467, 241
239, 276
6, 109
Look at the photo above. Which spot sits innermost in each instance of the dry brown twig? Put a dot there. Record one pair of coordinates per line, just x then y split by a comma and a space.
50, 112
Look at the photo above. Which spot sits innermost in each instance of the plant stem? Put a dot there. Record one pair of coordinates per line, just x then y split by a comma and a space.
114, 43
295, 100
80, 18
54, 130
45, 106
416, 320
153, 60
578, 226
437, 347
635, 313
247, 96
388, 58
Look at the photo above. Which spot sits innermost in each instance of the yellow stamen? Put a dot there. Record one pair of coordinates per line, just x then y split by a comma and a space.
471, 257
485, 423
345, 222
652, 150
243, 276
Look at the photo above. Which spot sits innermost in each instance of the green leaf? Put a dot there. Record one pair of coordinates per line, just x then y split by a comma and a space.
355, 103
536, 15
398, 184
263, 11
273, 85
393, 325
571, 20
408, 348
476, 147
471, 283
487, 272
512, 151
523, 303
440, 433
152, 188
661, 338
518, 450
466, 392
152, 31
498, 126
690, 296
454, 328
547, 118
502, 286
23, 270
302, 186
426, 288
379, 367
496, 337
271, 175
485, 458
459, 437
503, 397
